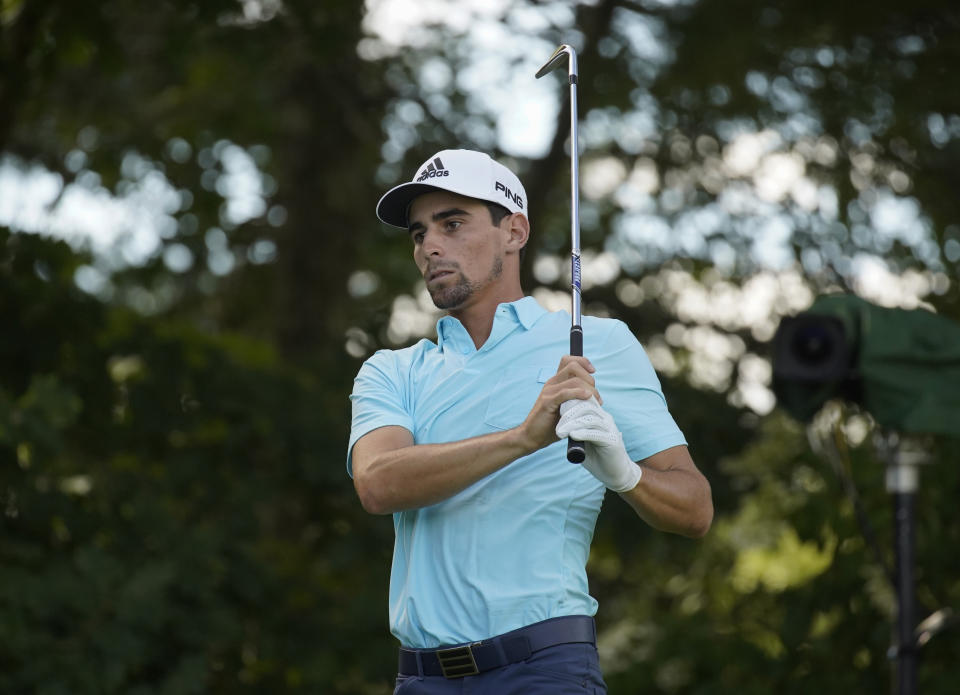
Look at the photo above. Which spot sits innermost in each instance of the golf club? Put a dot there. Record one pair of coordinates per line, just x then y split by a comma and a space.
575, 449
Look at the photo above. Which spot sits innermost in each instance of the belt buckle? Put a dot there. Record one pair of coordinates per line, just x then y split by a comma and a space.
457, 662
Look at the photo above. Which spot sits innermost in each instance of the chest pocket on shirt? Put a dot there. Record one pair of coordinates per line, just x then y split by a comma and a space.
514, 395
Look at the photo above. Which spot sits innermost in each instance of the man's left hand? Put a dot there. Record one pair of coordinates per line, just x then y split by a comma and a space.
607, 458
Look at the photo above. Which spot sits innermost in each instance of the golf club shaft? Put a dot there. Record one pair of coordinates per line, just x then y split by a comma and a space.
576, 452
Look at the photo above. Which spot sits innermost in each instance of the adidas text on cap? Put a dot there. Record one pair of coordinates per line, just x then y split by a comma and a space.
465, 172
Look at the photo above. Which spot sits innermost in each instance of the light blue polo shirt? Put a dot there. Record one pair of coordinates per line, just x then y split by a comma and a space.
511, 549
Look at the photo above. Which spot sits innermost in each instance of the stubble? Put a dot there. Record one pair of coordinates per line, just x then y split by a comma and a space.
457, 294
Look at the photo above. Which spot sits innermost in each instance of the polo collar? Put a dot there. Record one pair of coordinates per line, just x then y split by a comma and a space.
526, 311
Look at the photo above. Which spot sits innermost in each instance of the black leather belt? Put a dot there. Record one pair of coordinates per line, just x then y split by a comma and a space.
476, 657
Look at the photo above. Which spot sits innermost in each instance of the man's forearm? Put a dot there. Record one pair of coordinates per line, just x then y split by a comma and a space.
419, 475
677, 500
667, 491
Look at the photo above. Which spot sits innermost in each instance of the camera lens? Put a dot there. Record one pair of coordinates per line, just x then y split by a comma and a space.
812, 345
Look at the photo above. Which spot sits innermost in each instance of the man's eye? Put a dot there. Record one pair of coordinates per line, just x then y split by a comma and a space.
418, 238
453, 224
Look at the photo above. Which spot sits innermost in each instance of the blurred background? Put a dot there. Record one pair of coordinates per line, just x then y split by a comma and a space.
191, 274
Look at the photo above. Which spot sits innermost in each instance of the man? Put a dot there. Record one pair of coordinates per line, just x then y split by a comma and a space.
462, 440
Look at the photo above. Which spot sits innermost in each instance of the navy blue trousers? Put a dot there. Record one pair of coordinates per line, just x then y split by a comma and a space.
566, 669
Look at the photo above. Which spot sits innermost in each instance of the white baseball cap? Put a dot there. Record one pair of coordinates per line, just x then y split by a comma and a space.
466, 172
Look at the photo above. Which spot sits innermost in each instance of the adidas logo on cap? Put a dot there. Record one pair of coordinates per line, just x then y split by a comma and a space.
433, 170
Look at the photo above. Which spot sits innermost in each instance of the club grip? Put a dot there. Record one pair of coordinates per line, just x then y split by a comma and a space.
576, 452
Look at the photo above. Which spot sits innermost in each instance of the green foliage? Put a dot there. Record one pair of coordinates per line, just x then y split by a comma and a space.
174, 519
783, 594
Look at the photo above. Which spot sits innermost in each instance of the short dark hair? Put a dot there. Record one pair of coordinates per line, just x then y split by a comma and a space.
497, 213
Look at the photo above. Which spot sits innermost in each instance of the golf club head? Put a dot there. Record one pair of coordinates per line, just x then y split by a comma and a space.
557, 58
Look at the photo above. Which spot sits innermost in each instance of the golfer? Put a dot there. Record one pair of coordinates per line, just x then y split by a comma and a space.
463, 440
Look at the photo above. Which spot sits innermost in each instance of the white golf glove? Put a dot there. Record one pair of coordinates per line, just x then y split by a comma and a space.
607, 458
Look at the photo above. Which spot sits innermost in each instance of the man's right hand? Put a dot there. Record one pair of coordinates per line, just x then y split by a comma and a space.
573, 381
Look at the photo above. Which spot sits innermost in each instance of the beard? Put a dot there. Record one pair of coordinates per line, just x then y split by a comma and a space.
457, 294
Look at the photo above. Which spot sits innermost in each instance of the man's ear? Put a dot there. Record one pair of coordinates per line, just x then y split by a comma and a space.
518, 231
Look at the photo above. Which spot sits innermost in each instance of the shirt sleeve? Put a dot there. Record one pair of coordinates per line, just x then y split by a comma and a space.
632, 395
378, 399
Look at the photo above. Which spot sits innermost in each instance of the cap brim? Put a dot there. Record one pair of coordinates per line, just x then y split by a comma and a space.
393, 206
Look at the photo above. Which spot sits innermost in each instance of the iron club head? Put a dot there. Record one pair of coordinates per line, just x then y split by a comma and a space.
557, 58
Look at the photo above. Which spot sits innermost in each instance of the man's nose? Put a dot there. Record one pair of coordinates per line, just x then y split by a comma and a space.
432, 243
